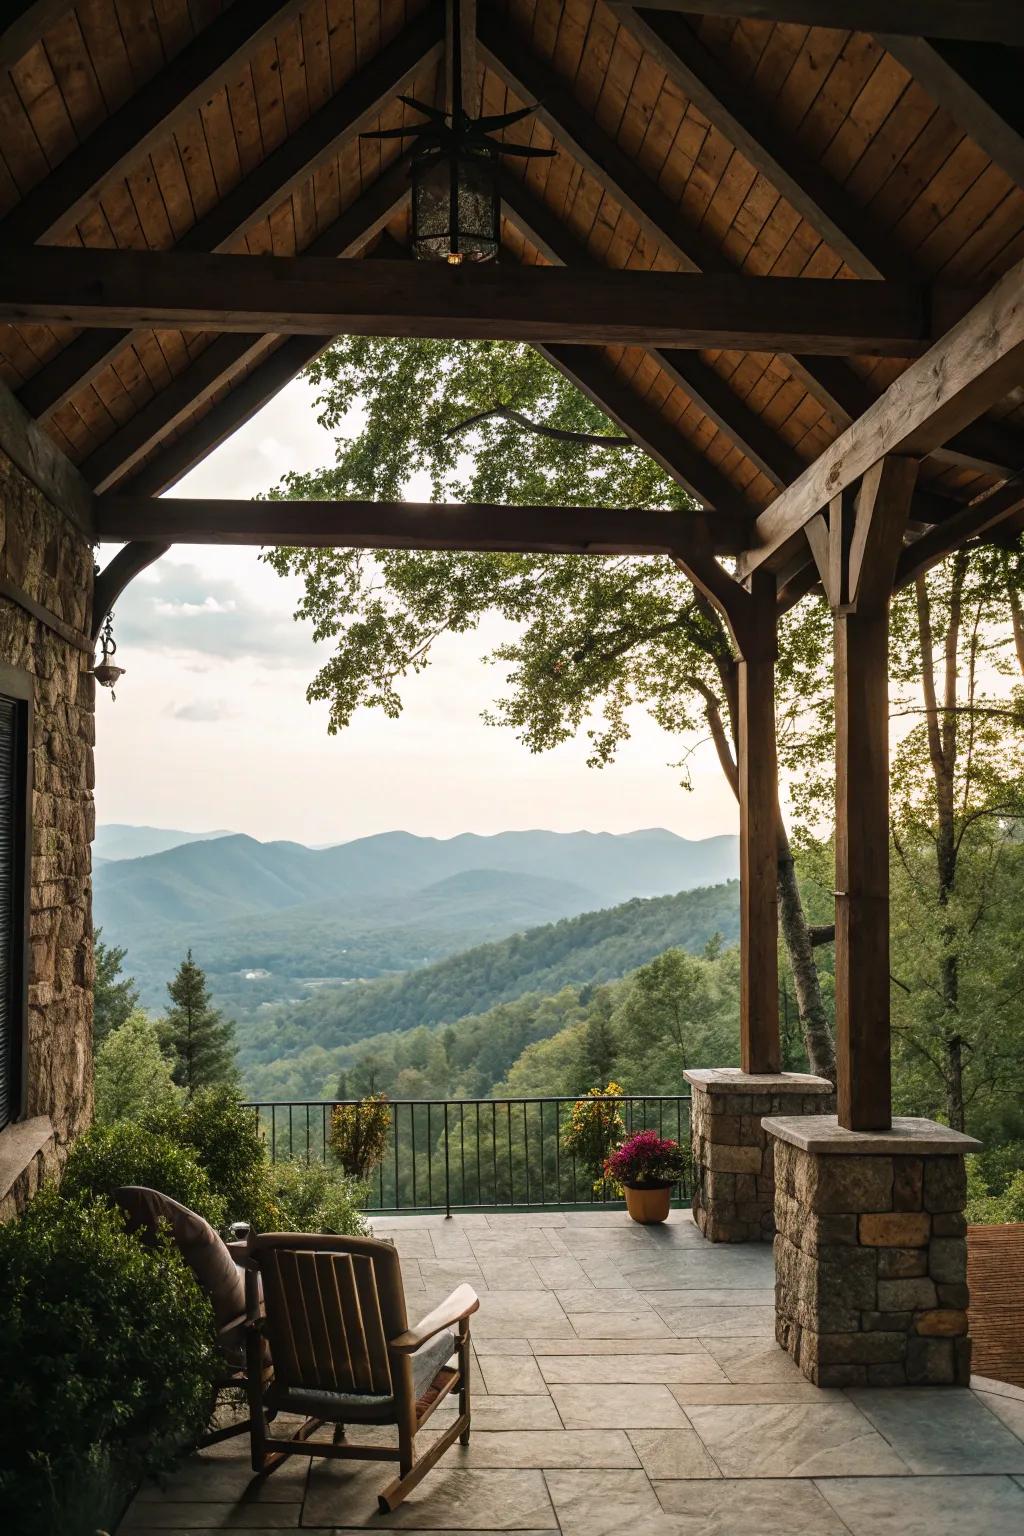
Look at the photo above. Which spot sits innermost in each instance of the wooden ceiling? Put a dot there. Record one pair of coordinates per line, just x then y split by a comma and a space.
690, 139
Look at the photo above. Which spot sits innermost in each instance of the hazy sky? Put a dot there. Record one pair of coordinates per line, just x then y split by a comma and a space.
211, 728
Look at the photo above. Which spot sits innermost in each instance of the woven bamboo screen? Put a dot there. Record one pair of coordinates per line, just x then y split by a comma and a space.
995, 1274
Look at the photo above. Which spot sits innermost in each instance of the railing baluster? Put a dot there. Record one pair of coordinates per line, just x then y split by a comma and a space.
540, 1185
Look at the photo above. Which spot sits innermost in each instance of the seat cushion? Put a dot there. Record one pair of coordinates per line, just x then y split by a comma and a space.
203, 1250
365, 1407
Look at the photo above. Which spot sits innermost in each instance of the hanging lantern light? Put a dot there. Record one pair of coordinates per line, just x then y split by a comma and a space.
104, 671
456, 201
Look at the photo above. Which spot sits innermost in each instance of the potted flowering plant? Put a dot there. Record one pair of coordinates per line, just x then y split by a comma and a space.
647, 1167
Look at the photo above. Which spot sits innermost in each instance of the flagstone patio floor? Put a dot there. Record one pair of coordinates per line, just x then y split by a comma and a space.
628, 1381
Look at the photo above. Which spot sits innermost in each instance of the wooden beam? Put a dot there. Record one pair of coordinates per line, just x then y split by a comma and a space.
733, 108
999, 510
978, 83
115, 576
35, 453
406, 525
975, 365
863, 1082
305, 295
56, 204
226, 355
996, 21
24, 23
339, 122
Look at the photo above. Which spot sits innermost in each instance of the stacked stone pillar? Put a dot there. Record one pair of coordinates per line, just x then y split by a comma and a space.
871, 1252
733, 1172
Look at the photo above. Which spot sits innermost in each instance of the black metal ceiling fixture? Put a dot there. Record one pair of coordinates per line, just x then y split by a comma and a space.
456, 204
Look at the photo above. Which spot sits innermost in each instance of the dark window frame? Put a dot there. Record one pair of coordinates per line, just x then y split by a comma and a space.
19, 685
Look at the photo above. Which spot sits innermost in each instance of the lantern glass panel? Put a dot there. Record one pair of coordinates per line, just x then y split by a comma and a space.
455, 207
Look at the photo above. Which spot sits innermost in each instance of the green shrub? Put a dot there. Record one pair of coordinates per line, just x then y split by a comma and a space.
108, 1363
988, 1206
110, 1155
223, 1136
315, 1198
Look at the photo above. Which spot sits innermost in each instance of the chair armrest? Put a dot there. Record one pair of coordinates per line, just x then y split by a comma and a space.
238, 1250
462, 1302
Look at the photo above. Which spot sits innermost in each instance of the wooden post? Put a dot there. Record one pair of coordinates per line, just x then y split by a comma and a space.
862, 585
750, 616
760, 1049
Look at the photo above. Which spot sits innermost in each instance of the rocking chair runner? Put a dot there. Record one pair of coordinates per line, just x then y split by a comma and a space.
342, 1352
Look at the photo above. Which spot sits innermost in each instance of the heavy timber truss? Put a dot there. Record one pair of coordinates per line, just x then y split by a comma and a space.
780, 245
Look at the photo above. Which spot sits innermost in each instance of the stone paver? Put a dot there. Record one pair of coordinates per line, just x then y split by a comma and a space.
927, 1506
806, 1439
619, 1407
628, 1381
794, 1508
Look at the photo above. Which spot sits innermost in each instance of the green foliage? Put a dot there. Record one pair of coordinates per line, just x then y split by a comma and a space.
199, 1041
114, 995
214, 1127
108, 1364
360, 1134
995, 1185
313, 1197
132, 1074
108, 1156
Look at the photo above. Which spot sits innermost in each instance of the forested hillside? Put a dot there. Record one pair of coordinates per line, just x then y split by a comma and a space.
301, 916
298, 1051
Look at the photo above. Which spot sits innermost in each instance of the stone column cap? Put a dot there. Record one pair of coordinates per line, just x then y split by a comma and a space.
907, 1134
733, 1080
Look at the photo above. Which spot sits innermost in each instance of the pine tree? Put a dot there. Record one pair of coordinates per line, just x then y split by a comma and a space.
200, 1043
114, 995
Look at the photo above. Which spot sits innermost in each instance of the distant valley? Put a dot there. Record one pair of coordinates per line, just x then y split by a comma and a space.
274, 922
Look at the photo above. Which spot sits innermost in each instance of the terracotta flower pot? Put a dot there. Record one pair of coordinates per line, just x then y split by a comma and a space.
648, 1204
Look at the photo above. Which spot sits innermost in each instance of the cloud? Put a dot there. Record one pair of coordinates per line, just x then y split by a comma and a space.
202, 710
188, 612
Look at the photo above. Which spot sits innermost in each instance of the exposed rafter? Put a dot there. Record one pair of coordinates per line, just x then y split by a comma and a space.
978, 83
66, 195
336, 124
307, 295
995, 21
411, 525
23, 24
828, 380
735, 111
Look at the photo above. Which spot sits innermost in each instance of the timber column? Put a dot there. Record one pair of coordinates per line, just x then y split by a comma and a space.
870, 1247
733, 1174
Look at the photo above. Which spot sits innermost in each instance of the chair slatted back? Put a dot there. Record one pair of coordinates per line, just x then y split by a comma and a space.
331, 1306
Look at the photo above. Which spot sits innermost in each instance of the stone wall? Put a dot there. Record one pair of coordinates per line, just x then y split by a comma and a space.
46, 558
871, 1267
733, 1172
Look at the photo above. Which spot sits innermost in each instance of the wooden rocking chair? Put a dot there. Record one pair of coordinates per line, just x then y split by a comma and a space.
341, 1352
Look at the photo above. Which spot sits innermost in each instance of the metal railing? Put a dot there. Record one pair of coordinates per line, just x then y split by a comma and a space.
472, 1154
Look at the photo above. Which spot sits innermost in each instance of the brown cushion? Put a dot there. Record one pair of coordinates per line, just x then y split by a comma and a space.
203, 1250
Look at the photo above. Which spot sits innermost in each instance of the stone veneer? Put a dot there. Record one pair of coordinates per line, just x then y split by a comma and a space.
871, 1252
46, 557
733, 1176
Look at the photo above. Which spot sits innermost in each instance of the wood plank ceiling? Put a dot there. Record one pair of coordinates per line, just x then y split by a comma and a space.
686, 142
